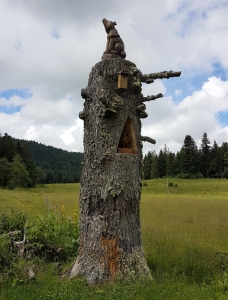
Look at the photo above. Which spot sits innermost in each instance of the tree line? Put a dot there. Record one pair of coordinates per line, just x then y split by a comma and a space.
207, 161
17, 168
60, 166
26, 163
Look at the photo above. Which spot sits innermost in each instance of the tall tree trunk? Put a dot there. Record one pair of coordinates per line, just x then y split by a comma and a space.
110, 242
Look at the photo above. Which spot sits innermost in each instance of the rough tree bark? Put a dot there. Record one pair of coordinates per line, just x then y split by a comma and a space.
110, 242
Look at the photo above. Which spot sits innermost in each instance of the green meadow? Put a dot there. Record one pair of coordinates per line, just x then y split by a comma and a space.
184, 227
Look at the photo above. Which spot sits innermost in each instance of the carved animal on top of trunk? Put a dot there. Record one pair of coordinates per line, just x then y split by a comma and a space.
115, 45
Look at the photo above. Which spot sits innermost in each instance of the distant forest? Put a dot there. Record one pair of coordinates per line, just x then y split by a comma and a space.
209, 161
26, 163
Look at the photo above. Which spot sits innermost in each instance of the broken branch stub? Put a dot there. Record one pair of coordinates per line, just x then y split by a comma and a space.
147, 139
149, 78
153, 97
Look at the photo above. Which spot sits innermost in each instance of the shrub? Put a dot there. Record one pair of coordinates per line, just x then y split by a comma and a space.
190, 175
47, 236
7, 256
12, 220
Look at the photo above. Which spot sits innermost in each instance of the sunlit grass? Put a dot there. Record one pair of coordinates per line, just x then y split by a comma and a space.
185, 238
42, 199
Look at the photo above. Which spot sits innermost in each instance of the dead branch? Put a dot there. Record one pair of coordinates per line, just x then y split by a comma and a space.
21, 244
147, 139
149, 78
153, 97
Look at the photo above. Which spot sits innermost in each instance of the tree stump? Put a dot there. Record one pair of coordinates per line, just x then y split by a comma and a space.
110, 242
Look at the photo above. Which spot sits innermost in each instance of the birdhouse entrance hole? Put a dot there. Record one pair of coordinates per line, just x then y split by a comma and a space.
127, 143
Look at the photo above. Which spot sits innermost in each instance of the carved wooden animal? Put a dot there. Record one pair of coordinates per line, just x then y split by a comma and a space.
114, 45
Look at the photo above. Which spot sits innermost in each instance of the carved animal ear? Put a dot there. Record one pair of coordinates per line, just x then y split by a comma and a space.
114, 22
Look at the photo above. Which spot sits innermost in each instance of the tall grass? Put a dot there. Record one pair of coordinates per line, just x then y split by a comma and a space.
42, 199
185, 239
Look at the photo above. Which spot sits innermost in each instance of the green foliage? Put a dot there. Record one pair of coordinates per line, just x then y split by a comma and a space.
19, 175
7, 148
59, 165
225, 173
205, 153
17, 169
226, 159
11, 220
7, 256
188, 163
5, 170
47, 237
190, 175
46, 232
184, 235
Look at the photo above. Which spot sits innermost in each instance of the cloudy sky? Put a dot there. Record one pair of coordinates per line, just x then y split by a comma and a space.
48, 48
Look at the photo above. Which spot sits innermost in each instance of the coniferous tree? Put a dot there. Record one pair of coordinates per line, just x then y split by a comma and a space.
226, 159
147, 162
204, 155
154, 166
32, 170
60, 178
19, 149
7, 148
162, 163
190, 160
178, 162
224, 149
5, 169
170, 164
26, 154
215, 164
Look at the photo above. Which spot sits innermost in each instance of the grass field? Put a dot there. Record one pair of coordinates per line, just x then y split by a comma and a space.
184, 230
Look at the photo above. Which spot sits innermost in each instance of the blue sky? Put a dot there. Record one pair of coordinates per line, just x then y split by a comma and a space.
48, 49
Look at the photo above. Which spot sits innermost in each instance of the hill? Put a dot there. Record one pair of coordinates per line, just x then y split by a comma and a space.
59, 165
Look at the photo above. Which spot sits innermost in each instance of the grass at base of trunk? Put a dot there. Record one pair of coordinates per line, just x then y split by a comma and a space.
52, 287
184, 230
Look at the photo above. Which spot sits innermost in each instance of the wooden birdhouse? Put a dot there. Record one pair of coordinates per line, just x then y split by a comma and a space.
122, 80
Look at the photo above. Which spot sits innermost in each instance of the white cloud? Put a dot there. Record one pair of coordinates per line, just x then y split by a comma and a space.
196, 114
49, 47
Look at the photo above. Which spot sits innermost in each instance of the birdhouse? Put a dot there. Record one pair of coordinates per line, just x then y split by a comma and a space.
122, 80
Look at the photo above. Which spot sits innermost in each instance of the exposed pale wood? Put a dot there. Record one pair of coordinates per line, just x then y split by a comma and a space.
122, 81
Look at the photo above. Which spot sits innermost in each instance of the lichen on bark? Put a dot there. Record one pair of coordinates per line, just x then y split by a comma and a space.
110, 242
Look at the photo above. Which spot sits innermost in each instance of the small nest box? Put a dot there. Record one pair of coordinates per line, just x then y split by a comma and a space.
122, 80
